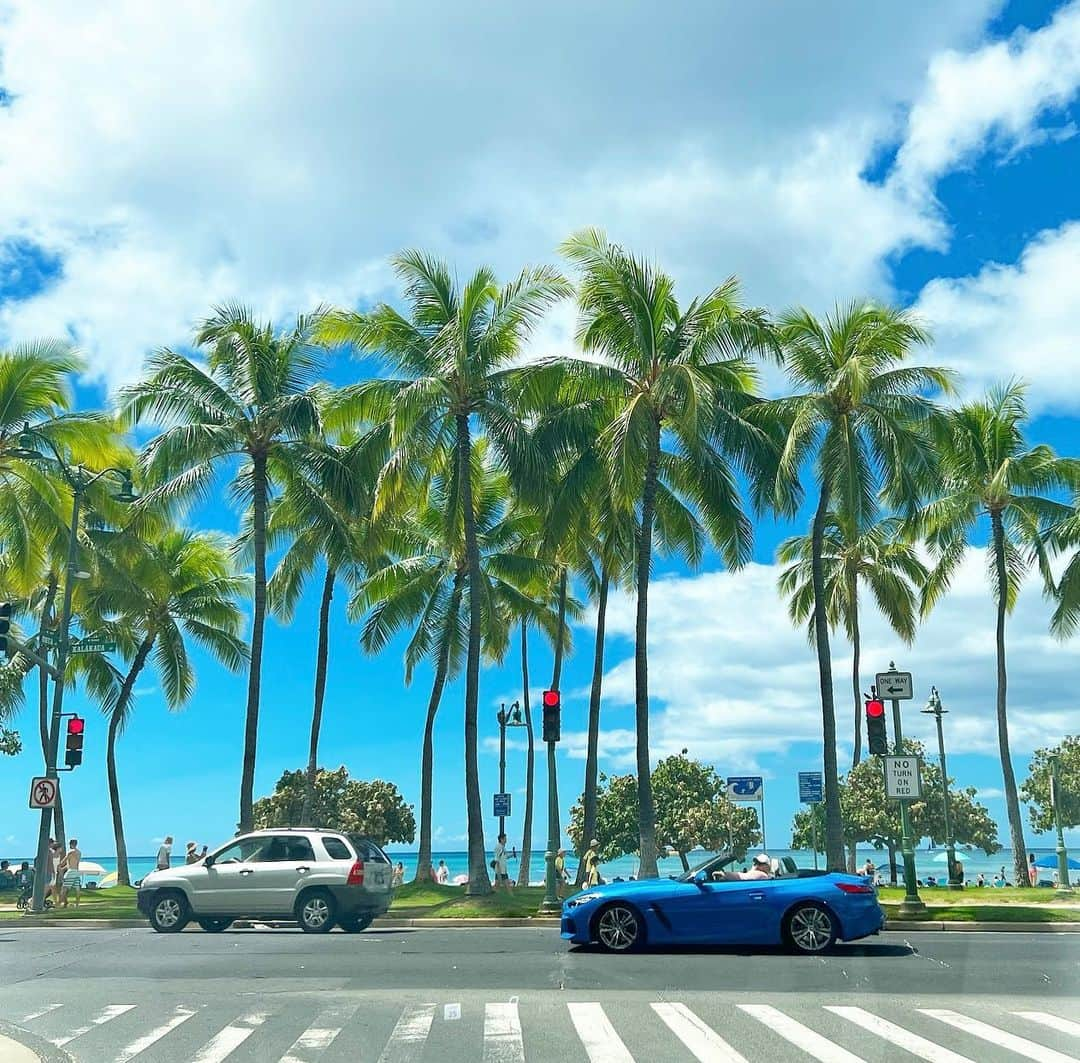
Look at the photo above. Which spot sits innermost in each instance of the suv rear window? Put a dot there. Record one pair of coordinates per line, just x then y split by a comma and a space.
336, 849
366, 849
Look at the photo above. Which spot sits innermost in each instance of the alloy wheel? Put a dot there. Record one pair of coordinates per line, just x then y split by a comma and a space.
811, 929
316, 912
167, 912
617, 929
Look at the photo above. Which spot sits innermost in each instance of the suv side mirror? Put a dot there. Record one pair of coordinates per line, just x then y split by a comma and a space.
208, 861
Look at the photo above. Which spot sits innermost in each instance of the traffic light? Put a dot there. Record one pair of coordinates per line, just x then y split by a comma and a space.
551, 715
5, 625
876, 737
73, 753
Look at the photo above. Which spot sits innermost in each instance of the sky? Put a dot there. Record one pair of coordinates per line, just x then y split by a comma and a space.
155, 162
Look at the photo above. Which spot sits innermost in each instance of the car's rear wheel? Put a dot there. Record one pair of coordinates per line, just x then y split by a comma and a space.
810, 928
170, 912
215, 926
354, 924
619, 928
316, 911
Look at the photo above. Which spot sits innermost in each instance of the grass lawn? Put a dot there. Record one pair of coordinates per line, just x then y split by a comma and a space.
423, 900
115, 903
987, 895
991, 913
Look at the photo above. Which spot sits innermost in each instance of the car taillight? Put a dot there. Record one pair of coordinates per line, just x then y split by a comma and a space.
855, 887
356, 874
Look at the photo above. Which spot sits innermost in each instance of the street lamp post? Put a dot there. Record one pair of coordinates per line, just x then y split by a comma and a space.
933, 708
1064, 888
506, 719
79, 480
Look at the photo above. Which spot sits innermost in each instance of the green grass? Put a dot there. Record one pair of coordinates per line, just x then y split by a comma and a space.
990, 913
426, 900
115, 903
987, 896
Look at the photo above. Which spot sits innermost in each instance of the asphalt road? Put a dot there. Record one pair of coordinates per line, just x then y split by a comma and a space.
509, 995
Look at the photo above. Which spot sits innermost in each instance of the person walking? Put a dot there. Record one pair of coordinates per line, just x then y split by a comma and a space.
1033, 871
502, 872
164, 854
561, 878
591, 860
442, 874
397, 876
53, 870
72, 878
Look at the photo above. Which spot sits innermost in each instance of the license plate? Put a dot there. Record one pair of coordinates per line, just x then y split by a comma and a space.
379, 878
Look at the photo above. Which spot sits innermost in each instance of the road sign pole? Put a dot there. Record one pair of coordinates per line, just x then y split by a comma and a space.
761, 816
502, 762
813, 831
912, 904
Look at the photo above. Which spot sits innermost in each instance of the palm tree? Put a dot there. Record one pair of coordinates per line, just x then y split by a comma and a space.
988, 471
153, 599
678, 382
859, 415
876, 555
452, 354
254, 399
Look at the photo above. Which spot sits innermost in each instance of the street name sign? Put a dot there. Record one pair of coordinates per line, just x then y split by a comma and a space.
745, 788
502, 805
49, 638
903, 778
811, 789
895, 686
43, 791
93, 646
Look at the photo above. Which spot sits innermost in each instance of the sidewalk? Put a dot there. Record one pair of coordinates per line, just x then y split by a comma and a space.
19, 1046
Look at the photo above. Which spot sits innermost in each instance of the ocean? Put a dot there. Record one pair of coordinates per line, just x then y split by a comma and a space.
927, 862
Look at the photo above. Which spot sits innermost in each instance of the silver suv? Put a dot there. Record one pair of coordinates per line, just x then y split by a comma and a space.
317, 877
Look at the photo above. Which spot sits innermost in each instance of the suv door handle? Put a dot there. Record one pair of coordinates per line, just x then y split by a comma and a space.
303, 869
247, 871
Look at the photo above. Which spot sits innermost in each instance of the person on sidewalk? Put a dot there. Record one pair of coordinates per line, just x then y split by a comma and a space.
72, 875
164, 854
502, 871
561, 877
591, 860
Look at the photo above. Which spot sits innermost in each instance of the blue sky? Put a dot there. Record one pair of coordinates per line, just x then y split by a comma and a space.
154, 164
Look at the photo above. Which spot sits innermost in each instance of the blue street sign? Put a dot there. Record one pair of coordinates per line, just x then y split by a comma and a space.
502, 805
811, 789
745, 788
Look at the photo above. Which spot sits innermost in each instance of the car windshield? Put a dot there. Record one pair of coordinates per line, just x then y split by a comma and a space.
707, 867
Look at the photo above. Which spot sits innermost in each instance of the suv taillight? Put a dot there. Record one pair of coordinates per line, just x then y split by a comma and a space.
855, 887
356, 874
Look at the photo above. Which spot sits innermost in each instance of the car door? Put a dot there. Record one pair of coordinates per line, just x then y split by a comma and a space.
280, 869
224, 888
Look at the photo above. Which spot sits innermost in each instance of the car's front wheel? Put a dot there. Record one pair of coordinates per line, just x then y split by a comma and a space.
170, 912
215, 926
354, 924
619, 928
315, 912
810, 928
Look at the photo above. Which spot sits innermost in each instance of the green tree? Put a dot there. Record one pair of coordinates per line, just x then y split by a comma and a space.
616, 818
989, 474
10, 742
452, 354
1036, 788
875, 555
679, 382
254, 398
353, 806
858, 417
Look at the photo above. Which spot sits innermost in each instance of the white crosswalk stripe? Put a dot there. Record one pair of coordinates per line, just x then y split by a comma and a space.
897, 1035
812, 1043
1020, 1045
40, 1011
320, 1035
598, 1037
102, 1017
407, 1041
231, 1038
703, 1042
141, 1044
502, 1034
1054, 1022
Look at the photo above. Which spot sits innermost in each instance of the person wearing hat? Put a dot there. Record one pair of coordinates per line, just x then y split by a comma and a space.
760, 868
591, 859
560, 872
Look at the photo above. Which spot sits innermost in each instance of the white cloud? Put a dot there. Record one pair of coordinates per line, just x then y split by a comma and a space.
1014, 320
989, 793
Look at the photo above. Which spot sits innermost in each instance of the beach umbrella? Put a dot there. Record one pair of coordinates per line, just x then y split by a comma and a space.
461, 880
88, 867
943, 856
1051, 861
108, 880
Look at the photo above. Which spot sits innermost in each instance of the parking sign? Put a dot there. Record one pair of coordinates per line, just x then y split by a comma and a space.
811, 789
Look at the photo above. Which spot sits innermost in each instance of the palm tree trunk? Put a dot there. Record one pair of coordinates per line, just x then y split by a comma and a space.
556, 669
427, 756
646, 809
115, 720
856, 692
260, 492
43, 704
479, 882
834, 827
321, 655
530, 765
1012, 802
892, 863
592, 750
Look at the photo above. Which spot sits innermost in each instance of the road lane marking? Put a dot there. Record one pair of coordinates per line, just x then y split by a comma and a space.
702, 1041
602, 1044
230, 1038
41, 1011
141, 1044
102, 1017
813, 1044
502, 1034
897, 1035
320, 1034
1055, 1022
1020, 1045
410, 1033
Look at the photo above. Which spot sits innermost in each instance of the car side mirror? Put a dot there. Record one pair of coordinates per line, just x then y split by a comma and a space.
208, 861
700, 879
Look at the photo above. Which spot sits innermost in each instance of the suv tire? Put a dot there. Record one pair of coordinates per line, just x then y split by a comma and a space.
353, 924
316, 911
170, 912
214, 926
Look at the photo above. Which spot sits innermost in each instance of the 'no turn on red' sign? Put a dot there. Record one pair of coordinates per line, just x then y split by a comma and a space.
43, 791
903, 778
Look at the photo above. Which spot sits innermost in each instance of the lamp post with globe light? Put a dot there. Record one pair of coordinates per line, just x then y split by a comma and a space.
506, 719
934, 708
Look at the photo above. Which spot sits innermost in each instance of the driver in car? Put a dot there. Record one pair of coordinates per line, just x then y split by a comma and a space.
761, 867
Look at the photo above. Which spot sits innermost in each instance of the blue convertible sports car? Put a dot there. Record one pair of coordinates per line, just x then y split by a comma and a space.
806, 910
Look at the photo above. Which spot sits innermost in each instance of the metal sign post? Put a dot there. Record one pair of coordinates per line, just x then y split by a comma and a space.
811, 792
749, 788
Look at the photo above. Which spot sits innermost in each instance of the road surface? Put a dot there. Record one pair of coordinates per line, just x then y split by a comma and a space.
506, 995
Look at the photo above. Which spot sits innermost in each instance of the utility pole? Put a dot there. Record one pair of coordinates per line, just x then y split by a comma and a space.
933, 708
551, 734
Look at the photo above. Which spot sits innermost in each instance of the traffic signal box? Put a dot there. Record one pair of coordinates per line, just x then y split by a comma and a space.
552, 706
876, 737
73, 751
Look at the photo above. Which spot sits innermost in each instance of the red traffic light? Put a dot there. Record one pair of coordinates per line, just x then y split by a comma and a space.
551, 698
76, 725
875, 707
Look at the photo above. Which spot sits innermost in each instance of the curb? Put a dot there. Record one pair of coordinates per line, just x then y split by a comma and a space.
19, 1046
919, 926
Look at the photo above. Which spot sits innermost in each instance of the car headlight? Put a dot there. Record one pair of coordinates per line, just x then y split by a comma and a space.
583, 898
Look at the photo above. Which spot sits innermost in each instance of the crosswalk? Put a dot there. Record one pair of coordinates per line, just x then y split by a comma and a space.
617, 1030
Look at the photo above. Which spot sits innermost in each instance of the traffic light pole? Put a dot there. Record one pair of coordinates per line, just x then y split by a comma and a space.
912, 904
502, 762
1064, 889
551, 902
